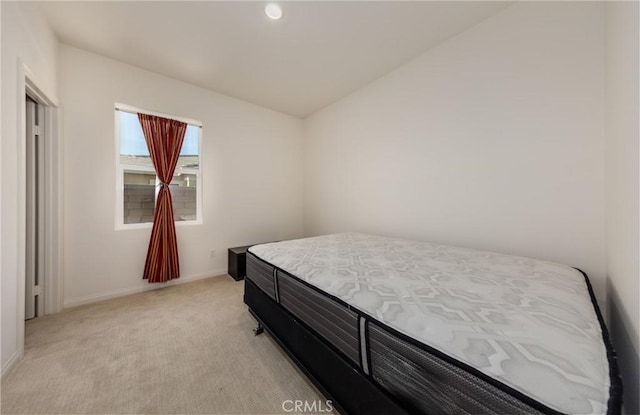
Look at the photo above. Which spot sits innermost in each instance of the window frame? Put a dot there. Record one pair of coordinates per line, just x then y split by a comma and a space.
120, 169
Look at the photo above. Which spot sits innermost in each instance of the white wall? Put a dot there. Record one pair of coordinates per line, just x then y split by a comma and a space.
491, 140
251, 175
622, 112
26, 37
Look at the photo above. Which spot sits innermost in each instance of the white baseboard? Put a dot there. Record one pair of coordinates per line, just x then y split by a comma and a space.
11, 363
78, 301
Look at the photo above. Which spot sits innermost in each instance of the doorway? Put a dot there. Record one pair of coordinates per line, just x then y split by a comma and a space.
50, 226
35, 210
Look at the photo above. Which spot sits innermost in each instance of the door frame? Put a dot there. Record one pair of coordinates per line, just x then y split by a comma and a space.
53, 203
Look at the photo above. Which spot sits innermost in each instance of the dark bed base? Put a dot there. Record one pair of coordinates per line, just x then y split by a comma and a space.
350, 391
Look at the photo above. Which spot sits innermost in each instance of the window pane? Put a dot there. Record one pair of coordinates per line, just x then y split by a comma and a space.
139, 196
183, 190
134, 151
189, 154
190, 143
132, 141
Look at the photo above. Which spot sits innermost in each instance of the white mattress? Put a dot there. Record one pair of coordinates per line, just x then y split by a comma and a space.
529, 324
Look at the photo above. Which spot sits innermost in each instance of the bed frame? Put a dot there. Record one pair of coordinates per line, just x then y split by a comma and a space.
349, 390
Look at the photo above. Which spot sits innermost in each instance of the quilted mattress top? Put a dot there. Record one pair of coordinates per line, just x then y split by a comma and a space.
527, 323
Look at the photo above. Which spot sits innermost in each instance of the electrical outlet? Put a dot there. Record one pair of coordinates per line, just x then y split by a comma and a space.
212, 253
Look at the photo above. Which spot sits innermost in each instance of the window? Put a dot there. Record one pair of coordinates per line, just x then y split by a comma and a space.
137, 183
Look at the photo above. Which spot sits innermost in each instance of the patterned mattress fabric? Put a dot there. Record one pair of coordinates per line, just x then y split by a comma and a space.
528, 324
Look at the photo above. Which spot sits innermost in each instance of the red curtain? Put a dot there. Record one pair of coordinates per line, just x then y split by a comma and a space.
164, 139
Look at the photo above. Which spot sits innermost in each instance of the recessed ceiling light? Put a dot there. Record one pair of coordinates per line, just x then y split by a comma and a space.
274, 11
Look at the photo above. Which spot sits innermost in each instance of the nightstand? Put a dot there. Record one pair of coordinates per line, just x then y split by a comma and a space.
238, 262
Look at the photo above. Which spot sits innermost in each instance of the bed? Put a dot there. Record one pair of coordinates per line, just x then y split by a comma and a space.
385, 325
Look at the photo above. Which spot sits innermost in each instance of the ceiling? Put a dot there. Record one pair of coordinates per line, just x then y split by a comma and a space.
316, 54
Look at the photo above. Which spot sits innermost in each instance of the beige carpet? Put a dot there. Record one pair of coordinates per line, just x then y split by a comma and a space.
182, 349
